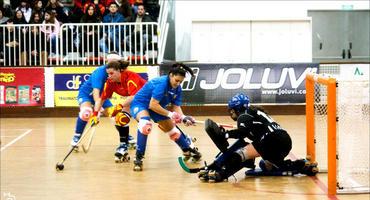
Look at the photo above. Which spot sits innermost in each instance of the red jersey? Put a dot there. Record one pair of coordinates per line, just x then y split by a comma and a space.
131, 82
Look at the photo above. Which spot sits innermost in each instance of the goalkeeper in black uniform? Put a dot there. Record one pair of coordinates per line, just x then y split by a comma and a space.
268, 140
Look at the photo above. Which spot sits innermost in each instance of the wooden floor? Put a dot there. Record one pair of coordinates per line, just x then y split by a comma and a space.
31, 147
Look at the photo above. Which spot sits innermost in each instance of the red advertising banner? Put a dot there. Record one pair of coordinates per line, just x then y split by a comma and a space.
22, 87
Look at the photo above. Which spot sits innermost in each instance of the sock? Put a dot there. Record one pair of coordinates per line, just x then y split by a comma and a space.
123, 133
141, 140
80, 125
182, 142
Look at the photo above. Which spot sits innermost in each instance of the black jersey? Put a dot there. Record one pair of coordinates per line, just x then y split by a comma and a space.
254, 124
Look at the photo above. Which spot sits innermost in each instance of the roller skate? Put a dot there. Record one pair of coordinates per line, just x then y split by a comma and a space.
121, 154
203, 175
215, 177
192, 154
74, 141
131, 142
309, 168
138, 163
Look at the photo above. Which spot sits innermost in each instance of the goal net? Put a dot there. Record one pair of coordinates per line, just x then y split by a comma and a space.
337, 112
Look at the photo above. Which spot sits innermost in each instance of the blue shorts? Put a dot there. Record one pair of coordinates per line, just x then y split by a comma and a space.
82, 98
136, 108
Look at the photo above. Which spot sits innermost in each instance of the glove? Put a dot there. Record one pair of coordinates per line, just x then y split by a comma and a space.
188, 120
117, 109
176, 117
95, 118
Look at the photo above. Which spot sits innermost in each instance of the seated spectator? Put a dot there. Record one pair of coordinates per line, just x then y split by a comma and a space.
126, 9
98, 6
3, 19
26, 9
111, 33
37, 49
152, 7
137, 30
51, 27
19, 18
38, 7
12, 45
90, 33
58, 9
36, 18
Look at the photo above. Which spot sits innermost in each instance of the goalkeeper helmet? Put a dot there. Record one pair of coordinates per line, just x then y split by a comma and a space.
239, 102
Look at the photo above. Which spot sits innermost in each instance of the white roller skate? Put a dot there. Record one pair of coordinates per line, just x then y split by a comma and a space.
121, 154
131, 142
74, 141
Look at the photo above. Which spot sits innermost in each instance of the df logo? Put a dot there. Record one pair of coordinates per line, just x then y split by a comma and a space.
76, 81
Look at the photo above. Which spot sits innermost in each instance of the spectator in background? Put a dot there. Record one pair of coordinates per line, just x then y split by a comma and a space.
90, 33
126, 9
112, 33
133, 40
19, 18
38, 7
36, 18
26, 9
3, 19
11, 48
152, 7
57, 8
99, 8
37, 47
51, 27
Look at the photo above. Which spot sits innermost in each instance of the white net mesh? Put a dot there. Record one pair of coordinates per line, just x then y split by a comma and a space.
353, 135
353, 173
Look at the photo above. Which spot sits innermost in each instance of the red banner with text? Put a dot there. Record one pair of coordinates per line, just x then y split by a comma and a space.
22, 87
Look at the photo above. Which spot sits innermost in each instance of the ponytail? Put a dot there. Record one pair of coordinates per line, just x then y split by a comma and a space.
180, 69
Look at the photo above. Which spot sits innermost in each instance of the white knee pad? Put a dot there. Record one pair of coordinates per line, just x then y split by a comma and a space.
85, 113
174, 134
145, 126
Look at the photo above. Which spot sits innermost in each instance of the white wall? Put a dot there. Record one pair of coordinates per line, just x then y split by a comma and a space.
189, 11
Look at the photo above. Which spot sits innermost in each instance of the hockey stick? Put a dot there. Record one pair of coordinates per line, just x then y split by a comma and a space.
219, 124
186, 168
60, 166
86, 149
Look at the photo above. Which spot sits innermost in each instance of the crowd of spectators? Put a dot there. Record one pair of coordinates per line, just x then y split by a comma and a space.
51, 14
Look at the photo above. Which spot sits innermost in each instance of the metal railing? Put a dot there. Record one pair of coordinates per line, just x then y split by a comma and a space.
78, 44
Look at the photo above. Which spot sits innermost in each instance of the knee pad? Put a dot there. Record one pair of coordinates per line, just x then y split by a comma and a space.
85, 113
122, 119
145, 126
174, 134
241, 152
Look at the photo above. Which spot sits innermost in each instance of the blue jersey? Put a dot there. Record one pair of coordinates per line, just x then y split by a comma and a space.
160, 89
96, 80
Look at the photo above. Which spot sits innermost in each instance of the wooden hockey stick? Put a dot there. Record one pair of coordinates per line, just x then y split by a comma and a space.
219, 124
86, 149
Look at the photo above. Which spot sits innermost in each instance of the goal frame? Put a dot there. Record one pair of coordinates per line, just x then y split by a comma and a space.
331, 84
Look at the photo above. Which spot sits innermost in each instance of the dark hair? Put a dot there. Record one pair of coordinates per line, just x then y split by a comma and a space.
180, 69
118, 65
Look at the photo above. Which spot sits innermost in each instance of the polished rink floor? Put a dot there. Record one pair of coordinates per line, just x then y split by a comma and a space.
31, 147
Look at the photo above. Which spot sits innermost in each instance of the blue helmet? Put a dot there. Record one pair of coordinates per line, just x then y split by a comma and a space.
239, 102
